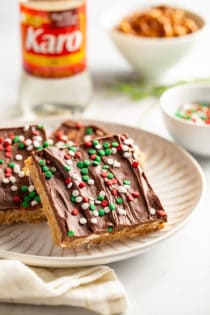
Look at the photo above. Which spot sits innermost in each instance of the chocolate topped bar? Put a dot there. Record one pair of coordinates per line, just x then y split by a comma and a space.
95, 192
76, 132
18, 196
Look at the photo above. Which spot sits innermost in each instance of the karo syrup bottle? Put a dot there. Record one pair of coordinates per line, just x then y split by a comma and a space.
53, 37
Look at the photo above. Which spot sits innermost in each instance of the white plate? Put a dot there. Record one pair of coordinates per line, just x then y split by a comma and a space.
175, 176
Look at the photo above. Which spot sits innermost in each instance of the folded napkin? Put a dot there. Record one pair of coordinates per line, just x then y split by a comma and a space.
94, 288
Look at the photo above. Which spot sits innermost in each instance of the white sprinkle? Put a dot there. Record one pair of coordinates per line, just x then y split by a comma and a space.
102, 193
110, 161
5, 180
53, 169
152, 211
85, 206
14, 188
29, 148
69, 162
107, 210
114, 150
60, 144
34, 203
91, 181
18, 157
116, 164
128, 141
26, 127
126, 155
121, 211
21, 138
97, 202
93, 220
98, 146
69, 185
21, 174
16, 168
36, 144
31, 188
12, 179
64, 137
95, 213
50, 142
75, 193
87, 138
82, 220
37, 138
8, 140
72, 153
125, 147
70, 143
79, 199
75, 176
122, 189
28, 142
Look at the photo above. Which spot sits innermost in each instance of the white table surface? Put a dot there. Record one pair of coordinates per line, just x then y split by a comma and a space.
174, 277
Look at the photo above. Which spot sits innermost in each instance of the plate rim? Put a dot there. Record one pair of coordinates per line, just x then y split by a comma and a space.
76, 261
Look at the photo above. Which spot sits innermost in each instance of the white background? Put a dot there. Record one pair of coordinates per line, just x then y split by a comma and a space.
173, 278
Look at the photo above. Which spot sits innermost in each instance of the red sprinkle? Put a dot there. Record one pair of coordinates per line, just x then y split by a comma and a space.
114, 192
135, 194
1, 139
16, 198
93, 156
119, 147
85, 199
1, 147
75, 212
6, 143
114, 181
78, 125
88, 144
161, 213
8, 154
82, 184
78, 154
68, 180
104, 203
8, 149
135, 164
67, 156
35, 132
108, 182
129, 198
104, 174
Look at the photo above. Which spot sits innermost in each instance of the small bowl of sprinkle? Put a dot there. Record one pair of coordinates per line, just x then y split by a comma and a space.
186, 113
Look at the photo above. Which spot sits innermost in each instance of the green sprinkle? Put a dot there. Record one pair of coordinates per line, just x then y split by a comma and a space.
95, 163
110, 175
105, 167
98, 159
85, 178
25, 204
91, 151
40, 147
42, 162
89, 131
1, 161
21, 146
73, 198
115, 144
101, 212
45, 168
101, 152
37, 198
32, 194
95, 142
84, 171
108, 151
70, 233
100, 198
106, 145
39, 126
126, 182
86, 163
46, 144
72, 149
16, 139
80, 164
67, 168
48, 174
110, 229
92, 207
11, 164
24, 188
27, 198
111, 206
119, 200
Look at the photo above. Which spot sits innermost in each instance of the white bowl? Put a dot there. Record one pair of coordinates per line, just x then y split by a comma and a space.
150, 57
195, 138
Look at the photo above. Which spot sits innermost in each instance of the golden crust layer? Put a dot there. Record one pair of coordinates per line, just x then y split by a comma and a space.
22, 216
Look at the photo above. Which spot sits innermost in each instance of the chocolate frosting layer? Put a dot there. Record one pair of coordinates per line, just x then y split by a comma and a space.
77, 132
97, 187
16, 144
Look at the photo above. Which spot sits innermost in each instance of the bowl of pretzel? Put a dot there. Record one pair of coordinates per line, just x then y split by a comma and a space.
153, 39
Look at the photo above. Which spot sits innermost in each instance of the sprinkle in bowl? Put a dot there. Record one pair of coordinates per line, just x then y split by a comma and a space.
191, 132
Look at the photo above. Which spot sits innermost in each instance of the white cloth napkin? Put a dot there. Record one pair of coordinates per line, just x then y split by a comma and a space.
94, 288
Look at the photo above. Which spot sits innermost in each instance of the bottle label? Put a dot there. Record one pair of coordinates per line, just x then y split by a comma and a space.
53, 42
